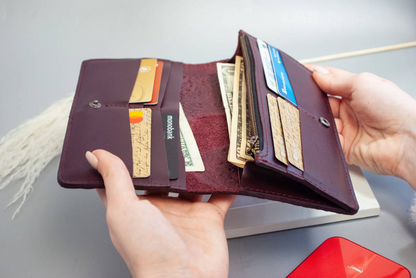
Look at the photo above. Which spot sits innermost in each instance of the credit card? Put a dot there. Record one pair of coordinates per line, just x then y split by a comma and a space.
141, 135
267, 66
156, 86
277, 131
171, 135
143, 87
283, 83
291, 131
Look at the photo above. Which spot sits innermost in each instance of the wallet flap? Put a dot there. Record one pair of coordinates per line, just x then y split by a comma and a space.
325, 170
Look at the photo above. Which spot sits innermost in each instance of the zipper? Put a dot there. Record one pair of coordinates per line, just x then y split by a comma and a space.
253, 145
256, 141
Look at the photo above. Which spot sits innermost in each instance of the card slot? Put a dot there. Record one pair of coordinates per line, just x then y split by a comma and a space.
170, 107
163, 84
324, 166
159, 168
90, 129
311, 100
109, 81
283, 187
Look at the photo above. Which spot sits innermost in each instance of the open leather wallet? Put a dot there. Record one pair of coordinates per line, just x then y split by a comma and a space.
324, 182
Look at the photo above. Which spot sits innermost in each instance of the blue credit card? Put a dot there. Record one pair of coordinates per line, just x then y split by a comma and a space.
285, 88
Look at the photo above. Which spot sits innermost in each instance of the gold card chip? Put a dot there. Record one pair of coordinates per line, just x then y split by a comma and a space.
291, 130
141, 131
277, 131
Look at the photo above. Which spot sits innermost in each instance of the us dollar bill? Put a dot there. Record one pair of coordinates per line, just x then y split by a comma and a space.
245, 128
190, 151
226, 79
234, 153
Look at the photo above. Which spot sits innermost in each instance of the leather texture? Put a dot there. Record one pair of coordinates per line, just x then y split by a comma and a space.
325, 183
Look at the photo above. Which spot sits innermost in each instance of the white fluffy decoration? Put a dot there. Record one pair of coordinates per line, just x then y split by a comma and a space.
26, 150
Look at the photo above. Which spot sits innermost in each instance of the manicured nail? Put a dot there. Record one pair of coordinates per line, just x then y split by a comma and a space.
320, 70
92, 159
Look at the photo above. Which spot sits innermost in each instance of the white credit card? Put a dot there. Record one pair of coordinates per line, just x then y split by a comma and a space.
267, 66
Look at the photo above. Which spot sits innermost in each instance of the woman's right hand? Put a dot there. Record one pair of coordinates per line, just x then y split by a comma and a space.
376, 121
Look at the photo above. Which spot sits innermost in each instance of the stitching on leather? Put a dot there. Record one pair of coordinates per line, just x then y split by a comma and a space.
304, 111
116, 105
102, 182
119, 105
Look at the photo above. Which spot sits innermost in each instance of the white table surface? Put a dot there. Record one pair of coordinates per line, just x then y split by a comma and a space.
63, 233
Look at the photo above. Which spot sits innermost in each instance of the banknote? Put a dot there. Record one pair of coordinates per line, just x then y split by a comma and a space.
234, 152
244, 127
226, 80
190, 151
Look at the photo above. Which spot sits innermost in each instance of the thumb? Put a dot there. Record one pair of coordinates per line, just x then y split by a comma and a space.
119, 187
334, 81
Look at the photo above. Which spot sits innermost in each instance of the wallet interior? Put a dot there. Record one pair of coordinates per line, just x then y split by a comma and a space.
323, 184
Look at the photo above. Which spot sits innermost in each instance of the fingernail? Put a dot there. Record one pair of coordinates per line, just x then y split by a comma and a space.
92, 159
320, 70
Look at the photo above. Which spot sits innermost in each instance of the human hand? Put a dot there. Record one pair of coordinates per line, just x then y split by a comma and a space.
375, 119
160, 236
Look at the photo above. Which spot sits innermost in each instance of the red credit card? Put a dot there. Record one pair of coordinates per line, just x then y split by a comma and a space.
340, 257
156, 87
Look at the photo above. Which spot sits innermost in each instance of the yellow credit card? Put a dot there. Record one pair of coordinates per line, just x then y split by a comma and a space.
141, 135
277, 131
291, 130
143, 87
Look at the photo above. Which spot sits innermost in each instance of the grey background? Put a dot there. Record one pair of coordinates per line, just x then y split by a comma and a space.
62, 233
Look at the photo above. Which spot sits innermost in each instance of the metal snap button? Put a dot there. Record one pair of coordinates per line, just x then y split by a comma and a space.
324, 122
95, 104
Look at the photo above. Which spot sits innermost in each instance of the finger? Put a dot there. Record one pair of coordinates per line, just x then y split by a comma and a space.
335, 104
223, 201
103, 197
334, 81
340, 125
191, 197
118, 184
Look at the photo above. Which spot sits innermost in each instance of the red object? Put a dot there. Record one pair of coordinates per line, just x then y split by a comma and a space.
342, 258
136, 120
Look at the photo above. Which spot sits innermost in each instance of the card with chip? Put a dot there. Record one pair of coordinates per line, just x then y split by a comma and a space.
267, 66
156, 86
277, 131
170, 122
283, 82
291, 131
143, 87
141, 131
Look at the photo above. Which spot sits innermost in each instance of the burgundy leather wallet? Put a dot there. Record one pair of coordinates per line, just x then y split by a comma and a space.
324, 184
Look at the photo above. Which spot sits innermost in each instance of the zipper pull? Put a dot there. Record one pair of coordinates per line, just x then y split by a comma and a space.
253, 148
